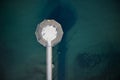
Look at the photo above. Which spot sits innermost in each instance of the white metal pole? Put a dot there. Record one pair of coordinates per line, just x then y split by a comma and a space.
47, 31
49, 61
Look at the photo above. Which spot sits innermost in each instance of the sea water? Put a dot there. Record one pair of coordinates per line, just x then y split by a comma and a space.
89, 50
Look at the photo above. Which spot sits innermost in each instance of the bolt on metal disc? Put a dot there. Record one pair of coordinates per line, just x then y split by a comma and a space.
49, 29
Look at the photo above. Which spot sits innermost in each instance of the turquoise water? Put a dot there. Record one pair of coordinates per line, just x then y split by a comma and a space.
89, 50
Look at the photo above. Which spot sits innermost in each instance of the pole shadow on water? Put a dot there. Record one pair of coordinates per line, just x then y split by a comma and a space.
67, 17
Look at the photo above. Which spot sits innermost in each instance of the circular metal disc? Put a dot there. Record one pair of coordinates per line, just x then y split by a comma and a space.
44, 24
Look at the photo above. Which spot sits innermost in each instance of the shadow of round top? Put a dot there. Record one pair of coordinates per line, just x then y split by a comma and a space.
49, 31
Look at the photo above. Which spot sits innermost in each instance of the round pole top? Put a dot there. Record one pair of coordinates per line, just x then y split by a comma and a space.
49, 31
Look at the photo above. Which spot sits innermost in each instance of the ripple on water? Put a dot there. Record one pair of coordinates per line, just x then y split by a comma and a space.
86, 60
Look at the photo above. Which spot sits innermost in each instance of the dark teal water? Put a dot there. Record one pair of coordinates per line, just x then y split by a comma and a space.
89, 50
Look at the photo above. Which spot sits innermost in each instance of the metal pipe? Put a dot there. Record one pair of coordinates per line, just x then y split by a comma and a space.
49, 33
49, 61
